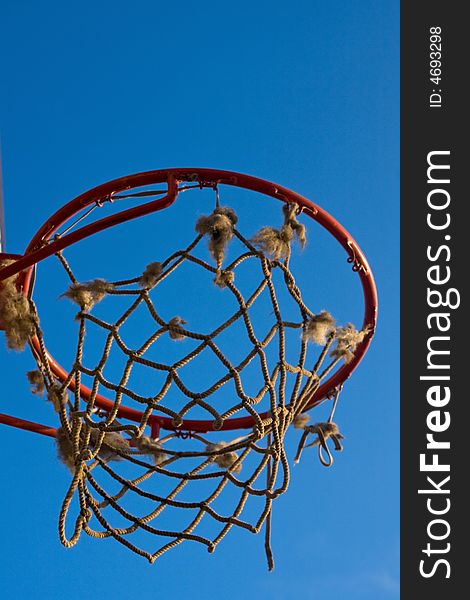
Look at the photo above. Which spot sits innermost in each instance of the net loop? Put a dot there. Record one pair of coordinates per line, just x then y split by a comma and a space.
323, 431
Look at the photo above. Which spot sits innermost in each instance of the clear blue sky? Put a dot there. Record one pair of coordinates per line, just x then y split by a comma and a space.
302, 93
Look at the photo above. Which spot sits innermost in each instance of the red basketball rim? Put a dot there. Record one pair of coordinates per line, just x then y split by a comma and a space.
41, 247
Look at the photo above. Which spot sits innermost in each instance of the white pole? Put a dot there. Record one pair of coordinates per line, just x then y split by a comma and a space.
2, 212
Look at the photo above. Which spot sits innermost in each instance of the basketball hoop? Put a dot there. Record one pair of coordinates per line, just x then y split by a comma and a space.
123, 427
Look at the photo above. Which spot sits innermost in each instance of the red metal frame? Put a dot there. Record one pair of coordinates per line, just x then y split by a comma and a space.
27, 425
40, 248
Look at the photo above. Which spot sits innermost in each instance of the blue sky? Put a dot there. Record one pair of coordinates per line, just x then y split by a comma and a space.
301, 93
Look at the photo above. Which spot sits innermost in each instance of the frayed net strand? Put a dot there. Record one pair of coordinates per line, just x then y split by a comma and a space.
219, 228
319, 327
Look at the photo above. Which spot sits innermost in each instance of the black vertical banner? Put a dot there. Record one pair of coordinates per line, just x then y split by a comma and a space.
435, 332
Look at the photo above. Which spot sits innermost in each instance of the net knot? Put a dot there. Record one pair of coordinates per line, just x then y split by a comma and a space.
226, 460
218, 423
347, 340
318, 328
86, 455
151, 274
86, 295
177, 421
176, 332
276, 242
223, 278
85, 515
219, 227
290, 221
